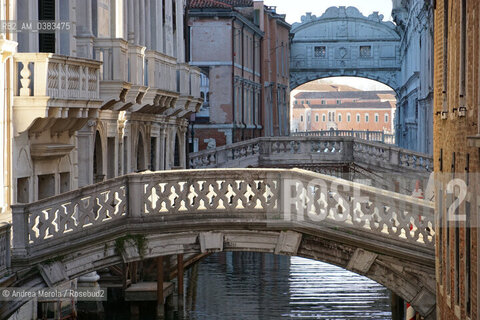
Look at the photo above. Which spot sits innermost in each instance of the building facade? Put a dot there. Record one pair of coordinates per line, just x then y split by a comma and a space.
414, 120
457, 158
247, 80
339, 107
105, 95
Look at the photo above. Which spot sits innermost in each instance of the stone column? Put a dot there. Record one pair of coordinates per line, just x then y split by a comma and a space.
89, 309
162, 149
168, 50
179, 21
85, 147
141, 19
84, 29
148, 25
159, 26
181, 146
131, 22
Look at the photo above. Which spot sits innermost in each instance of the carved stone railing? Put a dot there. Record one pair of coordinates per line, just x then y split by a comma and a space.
4, 249
271, 196
113, 53
41, 78
299, 151
161, 71
194, 81
56, 76
378, 136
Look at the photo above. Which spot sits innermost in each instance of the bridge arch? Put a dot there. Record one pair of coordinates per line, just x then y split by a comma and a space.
389, 240
344, 42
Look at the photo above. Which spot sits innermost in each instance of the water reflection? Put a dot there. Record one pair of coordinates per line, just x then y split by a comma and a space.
262, 286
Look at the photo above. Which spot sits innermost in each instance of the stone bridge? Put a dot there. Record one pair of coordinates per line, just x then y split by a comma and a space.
385, 236
344, 42
386, 166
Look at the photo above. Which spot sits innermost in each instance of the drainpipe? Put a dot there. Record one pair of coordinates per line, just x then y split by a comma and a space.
243, 84
233, 80
254, 89
445, 55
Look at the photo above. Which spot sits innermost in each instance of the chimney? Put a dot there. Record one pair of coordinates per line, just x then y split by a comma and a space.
258, 9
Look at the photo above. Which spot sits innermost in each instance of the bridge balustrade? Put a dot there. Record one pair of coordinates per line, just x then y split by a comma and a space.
272, 196
298, 150
378, 136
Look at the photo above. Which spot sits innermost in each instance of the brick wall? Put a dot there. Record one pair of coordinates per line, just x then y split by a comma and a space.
450, 142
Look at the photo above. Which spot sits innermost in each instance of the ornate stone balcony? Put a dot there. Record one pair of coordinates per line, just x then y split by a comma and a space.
146, 81
50, 88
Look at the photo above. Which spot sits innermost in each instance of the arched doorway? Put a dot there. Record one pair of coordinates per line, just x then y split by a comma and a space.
98, 174
141, 165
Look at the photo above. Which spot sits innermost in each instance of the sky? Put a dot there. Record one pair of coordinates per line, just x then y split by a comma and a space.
294, 9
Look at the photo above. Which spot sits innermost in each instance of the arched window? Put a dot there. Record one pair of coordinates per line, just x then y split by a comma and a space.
339, 117
323, 118
316, 118
386, 117
349, 117
301, 118
358, 117
366, 117
376, 117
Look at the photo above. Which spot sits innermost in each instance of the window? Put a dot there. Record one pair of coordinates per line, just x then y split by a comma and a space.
308, 102
366, 117
324, 102
339, 118
376, 117
46, 11
301, 118
349, 117
323, 118
365, 51
295, 101
316, 118
339, 101
386, 117
320, 52
358, 117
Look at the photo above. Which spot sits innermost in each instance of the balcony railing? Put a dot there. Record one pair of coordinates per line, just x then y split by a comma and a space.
161, 71
56, 76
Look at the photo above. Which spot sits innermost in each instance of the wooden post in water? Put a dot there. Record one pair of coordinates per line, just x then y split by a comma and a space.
180, 280
398, 308
160, 298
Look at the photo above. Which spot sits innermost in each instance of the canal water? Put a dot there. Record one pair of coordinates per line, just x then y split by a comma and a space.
251, 286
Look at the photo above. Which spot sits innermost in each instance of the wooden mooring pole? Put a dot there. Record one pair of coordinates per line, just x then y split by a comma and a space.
160, 298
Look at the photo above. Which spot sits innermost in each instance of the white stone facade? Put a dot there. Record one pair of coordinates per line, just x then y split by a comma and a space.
414, 116
344, 42
112, 95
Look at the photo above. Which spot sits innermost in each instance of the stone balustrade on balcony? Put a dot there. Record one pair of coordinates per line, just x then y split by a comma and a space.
51, 86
